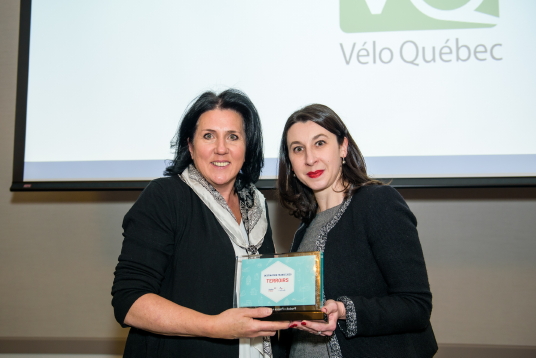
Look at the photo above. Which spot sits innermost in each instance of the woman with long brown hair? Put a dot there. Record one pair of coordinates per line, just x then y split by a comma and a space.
376, 290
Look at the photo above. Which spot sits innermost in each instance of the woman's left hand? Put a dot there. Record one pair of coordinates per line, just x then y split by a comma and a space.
335, 310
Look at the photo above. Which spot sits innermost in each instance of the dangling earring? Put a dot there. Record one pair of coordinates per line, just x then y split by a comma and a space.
343, 161
294, 174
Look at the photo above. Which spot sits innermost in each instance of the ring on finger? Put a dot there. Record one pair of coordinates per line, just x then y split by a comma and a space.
319, 333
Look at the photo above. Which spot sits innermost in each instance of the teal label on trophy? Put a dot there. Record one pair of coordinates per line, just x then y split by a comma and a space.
282, 281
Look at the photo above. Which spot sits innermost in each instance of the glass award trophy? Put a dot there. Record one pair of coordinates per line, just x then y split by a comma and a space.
290, 284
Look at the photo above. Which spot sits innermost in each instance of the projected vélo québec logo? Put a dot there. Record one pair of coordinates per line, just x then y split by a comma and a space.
400, 15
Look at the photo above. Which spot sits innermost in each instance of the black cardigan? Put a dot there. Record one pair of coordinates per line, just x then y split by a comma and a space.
373, 256
174, 246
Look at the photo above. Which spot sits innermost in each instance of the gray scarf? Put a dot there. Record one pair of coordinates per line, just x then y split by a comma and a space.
252, 208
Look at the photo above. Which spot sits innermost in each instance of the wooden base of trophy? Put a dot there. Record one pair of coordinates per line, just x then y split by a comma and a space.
296, 316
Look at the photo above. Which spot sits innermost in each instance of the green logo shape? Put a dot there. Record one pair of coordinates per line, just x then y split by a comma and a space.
401, 15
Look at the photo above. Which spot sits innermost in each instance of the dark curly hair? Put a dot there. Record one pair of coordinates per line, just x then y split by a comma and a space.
232, 99
295, 196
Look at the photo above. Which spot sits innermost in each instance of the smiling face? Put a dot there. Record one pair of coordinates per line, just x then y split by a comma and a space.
315, 156
218, 147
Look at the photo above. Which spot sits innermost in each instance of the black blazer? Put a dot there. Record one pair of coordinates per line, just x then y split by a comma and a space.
373, 257
174, 247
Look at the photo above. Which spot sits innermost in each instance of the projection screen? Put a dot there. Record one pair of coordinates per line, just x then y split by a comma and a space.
434, 92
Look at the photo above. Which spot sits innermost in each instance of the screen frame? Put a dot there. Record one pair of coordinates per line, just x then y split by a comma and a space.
18, 183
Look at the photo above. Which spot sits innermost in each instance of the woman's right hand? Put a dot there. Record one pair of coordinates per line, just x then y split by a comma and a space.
156, 314
243, 323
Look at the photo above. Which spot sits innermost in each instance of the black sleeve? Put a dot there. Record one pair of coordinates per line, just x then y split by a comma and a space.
391, 230
149, 230
268, 239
